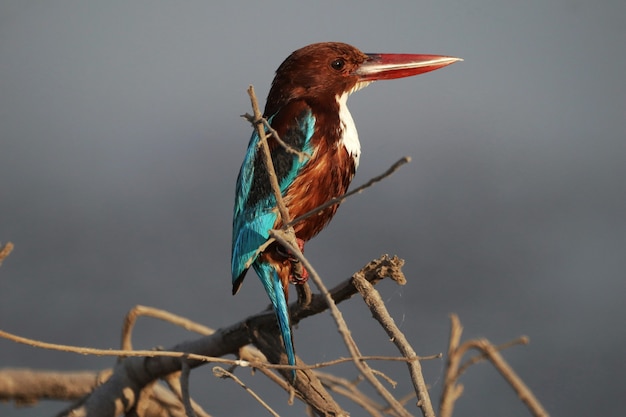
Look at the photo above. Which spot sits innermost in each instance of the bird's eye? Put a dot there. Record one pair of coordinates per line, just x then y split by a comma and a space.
338, 64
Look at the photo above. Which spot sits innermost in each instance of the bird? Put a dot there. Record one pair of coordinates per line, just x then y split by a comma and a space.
306, 107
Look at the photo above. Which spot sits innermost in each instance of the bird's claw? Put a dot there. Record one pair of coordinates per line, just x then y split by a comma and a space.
299, 275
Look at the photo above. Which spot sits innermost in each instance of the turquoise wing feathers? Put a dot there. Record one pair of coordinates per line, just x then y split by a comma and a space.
255, 213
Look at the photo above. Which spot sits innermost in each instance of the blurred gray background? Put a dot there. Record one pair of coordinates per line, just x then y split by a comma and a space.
120, 142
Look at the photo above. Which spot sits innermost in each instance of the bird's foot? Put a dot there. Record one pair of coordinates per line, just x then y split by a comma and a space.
299, 274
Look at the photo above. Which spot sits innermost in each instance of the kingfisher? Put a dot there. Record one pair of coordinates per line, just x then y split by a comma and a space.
306, 107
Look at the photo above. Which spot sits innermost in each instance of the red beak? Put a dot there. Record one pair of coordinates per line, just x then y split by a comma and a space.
390, 66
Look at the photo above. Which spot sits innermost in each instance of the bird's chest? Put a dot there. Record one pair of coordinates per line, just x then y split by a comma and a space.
327, 175
335, 149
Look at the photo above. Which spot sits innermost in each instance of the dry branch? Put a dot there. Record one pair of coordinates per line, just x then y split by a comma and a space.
354, 350
452, 390
27, 387
379, 311
122, 390
338, 200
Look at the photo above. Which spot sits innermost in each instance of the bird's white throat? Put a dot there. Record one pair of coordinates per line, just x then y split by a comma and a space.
349, 135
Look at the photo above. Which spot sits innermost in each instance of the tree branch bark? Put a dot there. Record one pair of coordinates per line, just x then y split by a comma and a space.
121, 391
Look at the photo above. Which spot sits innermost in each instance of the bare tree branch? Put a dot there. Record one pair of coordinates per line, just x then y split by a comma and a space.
267, 157
121, 391
523, 340
144, 311
523, 392
379, 311
362, 366
452, 390
27, 387
273, 133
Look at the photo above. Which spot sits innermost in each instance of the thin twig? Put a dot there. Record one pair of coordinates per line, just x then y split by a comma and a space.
393, 168
301, 155
253, 355
273, 133
373, 358
223, 373
339, 361
138, 311
386, 377
523, 392
523, 340
451, 390
192, 356
118, 352
258, 251
285, 217
408, 397
271, 172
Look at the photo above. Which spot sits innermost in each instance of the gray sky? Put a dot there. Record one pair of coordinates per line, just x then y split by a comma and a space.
120, 141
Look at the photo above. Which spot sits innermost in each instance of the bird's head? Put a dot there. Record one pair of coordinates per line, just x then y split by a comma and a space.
326, 70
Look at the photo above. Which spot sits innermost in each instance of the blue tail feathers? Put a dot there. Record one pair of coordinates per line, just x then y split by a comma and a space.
274, 288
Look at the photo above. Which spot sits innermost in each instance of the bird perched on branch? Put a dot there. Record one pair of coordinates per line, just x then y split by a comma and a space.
306, 106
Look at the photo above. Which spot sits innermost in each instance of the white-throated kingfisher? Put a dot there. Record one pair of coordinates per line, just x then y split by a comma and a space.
306, 106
